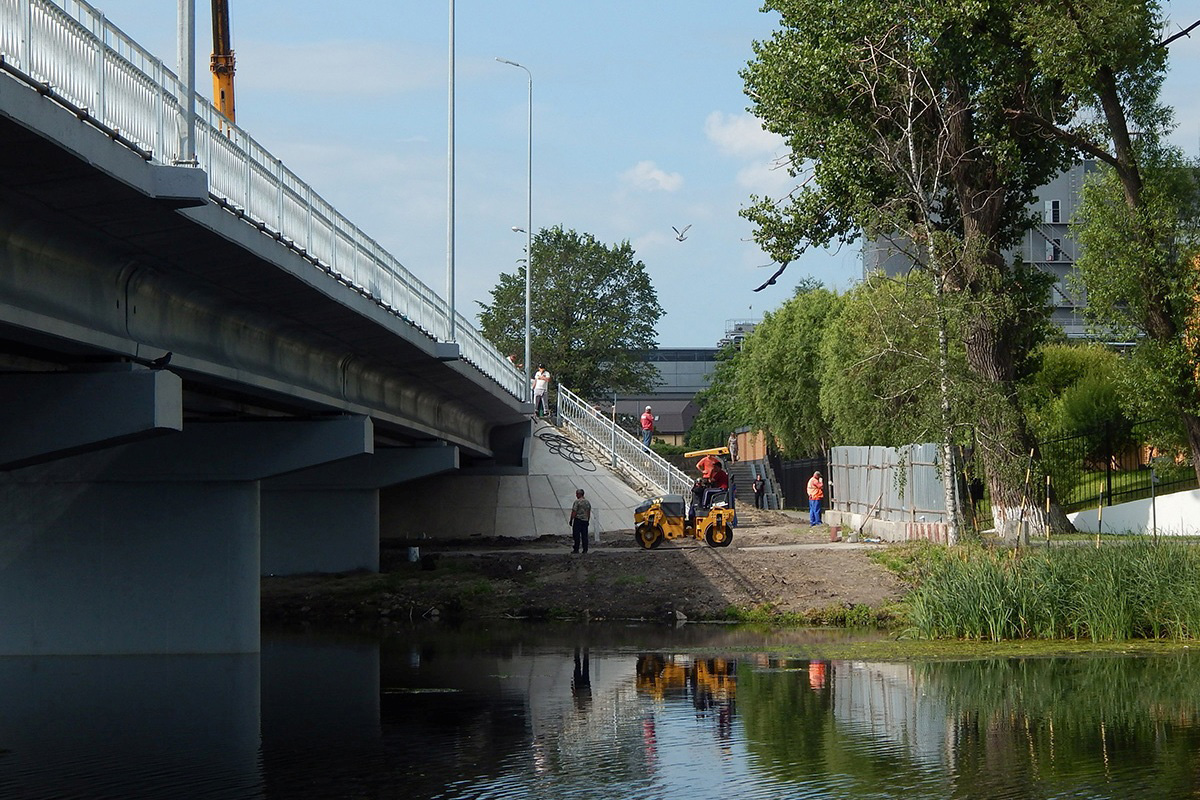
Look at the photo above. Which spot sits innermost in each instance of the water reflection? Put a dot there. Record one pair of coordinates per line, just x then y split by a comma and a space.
593, 711
100, 727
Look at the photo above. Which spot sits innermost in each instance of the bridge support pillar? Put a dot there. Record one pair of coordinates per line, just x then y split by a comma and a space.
150, 547
326, 519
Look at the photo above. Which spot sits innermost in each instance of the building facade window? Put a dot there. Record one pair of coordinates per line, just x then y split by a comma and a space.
1053, 212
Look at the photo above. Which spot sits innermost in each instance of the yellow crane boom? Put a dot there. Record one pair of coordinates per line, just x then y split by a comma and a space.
222, 60
712, 451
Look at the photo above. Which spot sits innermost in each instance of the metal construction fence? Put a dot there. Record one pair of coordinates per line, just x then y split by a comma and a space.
1084, 471
68, 51
899, 484
624, 451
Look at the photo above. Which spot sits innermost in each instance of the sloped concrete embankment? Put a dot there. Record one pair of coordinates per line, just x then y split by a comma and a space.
476, 503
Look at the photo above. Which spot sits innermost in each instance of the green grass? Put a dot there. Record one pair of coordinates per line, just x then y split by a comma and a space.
1117, 593
859, 616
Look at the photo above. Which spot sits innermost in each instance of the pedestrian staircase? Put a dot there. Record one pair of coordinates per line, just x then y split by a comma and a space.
742, 474
618, 450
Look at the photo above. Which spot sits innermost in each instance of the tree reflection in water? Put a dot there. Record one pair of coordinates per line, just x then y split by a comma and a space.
1029, 727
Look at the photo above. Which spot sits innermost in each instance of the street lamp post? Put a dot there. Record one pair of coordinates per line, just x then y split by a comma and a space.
528, 223
450, 190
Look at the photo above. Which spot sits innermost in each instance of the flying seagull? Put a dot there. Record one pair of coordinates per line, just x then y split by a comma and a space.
771, 280
679, 234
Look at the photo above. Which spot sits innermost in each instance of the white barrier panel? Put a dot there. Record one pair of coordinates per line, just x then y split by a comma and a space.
1177, 514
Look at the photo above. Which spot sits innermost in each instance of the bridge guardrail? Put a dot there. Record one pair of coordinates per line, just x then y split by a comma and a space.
74, 53
624, 451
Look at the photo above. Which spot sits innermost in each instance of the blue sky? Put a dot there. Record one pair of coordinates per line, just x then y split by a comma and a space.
639, 126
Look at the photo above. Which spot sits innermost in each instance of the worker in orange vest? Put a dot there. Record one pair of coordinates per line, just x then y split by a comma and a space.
816, 493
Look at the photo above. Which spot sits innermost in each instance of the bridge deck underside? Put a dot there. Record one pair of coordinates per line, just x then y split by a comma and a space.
94, 267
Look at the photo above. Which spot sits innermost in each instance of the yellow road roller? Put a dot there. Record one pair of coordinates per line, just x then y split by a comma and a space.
661, 518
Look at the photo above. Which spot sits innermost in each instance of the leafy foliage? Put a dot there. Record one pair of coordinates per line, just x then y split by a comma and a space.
593, 310
779, 372
905, 120
1075, 407
1076, 391
1146, 296
1139, 218
879, 377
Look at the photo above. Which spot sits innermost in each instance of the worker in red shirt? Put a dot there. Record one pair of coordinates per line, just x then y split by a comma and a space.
647, 427
713, 478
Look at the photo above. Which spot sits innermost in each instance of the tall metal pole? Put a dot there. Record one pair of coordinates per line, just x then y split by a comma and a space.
528, 224
186, 48
450, 189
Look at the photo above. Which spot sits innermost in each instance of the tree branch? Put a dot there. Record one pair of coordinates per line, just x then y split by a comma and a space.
1185, 32
1074, 139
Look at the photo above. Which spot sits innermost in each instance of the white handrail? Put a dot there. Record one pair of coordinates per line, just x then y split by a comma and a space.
623, 450
73, 53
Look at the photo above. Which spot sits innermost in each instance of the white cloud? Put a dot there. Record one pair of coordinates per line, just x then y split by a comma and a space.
647, 176
764, 154
769, 178
742, 135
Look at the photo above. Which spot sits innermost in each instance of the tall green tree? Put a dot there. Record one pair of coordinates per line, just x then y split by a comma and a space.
594, 310
1138, 221
779, 372
897, 116
880, 371
1138, 265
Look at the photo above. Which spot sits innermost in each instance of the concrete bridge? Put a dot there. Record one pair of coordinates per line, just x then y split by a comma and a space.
206, 373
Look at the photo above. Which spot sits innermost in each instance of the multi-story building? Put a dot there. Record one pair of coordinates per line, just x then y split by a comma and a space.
1049, 245
683, 372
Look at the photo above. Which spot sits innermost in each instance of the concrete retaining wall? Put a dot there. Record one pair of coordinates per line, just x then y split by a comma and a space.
888, 530
1177, 514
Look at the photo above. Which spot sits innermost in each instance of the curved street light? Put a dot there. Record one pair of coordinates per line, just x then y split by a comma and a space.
528, 224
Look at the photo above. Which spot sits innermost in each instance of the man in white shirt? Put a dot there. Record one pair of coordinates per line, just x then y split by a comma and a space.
541, 382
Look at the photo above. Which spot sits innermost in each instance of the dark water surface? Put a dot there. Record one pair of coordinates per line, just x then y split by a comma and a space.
527, 711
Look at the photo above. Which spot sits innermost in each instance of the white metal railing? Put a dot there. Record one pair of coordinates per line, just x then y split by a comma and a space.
73, 53
623, 450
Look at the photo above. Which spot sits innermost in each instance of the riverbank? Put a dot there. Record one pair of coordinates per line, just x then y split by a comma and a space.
777, 567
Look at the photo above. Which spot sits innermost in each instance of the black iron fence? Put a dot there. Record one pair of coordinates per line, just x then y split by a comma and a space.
1086, 471
793, 479
1109, 468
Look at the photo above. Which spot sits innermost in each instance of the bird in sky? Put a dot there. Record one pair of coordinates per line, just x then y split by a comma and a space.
771, 280
679, 234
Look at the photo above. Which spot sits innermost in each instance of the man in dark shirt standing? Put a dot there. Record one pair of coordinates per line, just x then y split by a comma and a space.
581, 515
760, 488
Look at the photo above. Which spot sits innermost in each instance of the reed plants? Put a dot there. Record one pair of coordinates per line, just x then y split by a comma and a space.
1136, 589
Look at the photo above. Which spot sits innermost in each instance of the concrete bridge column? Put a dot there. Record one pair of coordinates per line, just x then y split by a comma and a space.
150, 547
326, 519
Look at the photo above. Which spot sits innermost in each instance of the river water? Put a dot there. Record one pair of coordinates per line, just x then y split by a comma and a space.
598, 711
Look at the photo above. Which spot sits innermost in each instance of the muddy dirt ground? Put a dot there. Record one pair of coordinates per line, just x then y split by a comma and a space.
775, 562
